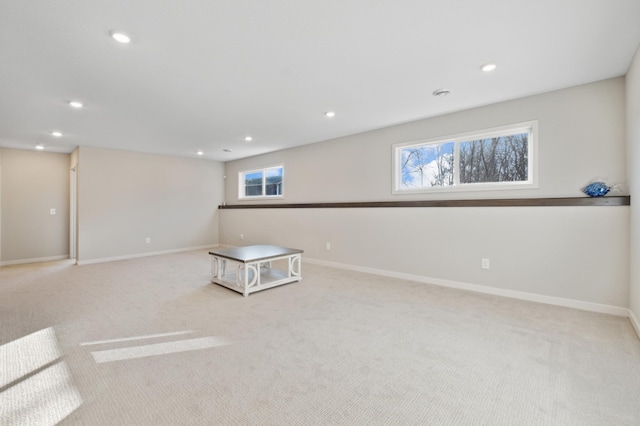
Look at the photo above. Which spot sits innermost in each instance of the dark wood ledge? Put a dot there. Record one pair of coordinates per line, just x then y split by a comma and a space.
624, 200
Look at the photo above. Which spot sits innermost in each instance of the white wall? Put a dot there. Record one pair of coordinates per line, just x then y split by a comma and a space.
581, 135
633, 146
0, 208
578, 253
124, 197
33, 183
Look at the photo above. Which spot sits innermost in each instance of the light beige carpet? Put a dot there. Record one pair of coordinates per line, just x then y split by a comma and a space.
151, 342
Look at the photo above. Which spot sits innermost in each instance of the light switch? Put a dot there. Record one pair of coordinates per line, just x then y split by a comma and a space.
52, 211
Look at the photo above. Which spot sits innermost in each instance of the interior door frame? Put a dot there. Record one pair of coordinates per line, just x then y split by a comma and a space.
73, 196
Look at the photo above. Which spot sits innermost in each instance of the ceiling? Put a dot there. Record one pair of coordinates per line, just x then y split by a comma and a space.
203, 75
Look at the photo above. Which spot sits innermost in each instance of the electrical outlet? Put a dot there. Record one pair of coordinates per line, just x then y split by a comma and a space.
148, 240
327, 245
52, 211
485, 263
242, 236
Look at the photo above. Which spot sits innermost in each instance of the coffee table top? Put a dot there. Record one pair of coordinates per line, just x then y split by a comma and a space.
254, 253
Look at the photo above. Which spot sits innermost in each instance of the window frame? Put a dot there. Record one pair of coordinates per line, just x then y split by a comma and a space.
530, 127
242, 187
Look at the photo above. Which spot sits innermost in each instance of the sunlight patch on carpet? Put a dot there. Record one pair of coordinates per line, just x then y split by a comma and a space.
35, 385
133, 352
147, 336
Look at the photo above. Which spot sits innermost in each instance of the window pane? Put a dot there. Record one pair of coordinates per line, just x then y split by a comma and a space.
274, 181
253, 184
500, 159
427, 165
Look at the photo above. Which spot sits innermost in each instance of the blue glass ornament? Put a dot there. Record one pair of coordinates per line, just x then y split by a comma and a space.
596, 189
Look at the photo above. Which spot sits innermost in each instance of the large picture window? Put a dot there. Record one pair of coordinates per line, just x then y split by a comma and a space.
261, 183
499, 158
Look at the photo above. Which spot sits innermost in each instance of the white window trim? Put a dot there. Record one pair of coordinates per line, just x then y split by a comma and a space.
241, 187
531, 183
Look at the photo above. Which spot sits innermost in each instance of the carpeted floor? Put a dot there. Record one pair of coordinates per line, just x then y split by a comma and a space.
151, 342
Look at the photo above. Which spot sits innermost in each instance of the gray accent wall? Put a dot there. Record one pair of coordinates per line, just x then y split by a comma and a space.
577, 253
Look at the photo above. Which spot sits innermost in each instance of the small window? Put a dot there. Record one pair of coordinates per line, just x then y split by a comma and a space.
499, 158
261, 183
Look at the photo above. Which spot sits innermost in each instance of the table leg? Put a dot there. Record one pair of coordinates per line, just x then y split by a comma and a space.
295, 266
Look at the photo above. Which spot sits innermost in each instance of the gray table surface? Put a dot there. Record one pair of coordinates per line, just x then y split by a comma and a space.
254, 253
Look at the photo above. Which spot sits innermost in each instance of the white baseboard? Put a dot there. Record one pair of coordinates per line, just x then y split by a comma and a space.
532, 297
634, 322
146, 254
34, 260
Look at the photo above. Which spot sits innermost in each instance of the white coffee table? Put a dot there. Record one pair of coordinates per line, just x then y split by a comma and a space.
253, 267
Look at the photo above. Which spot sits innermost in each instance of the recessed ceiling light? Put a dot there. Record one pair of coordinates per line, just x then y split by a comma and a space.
488, 67
76, 104
40, 147
200, 153
330, 114
441, 92
226, 150
248, 138
56, 134
120, 37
